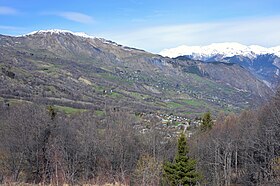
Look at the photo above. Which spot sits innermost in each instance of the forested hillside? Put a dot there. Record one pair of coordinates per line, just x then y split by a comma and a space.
242, 149
42, 145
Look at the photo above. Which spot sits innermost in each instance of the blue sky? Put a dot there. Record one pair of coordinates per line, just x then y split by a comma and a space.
152, 25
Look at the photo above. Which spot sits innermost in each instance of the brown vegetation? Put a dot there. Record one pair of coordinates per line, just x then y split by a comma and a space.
40, 145
242, 150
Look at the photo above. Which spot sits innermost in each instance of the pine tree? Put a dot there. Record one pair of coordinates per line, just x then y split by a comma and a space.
207, 122
182, 171
51, 112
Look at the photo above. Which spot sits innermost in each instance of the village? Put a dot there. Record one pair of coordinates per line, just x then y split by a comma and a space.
168, 125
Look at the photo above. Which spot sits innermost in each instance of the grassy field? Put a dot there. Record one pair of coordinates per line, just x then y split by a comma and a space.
194, 102
68, 110
173, 105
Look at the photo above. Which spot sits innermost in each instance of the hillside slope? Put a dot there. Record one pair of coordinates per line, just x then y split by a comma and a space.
69, 69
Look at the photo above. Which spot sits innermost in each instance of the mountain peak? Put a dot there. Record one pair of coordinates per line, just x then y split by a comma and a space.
59, 31
66, 32
227, 49
260, 61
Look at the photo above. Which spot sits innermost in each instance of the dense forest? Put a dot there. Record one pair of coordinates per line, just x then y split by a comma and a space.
242, 149
41, 145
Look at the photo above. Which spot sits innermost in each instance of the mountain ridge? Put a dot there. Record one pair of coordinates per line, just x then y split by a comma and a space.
227, 49
79, 34
263, 63
70, 70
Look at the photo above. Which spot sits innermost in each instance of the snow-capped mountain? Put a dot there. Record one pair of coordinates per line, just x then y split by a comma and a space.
79, 34
59, 31
263, 62
222, 49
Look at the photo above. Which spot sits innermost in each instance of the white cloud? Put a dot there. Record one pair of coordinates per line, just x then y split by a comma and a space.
260, 31
7, 11
4, 27
76, 16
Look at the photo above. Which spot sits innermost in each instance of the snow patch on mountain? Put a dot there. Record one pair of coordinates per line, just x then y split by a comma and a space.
58, 31
228, 49
79, 34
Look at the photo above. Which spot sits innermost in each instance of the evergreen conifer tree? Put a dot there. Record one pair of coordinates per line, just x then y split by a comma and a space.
182, 171
207, 122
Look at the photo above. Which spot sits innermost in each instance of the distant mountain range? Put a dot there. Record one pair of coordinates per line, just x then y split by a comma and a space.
70, 69
263, 62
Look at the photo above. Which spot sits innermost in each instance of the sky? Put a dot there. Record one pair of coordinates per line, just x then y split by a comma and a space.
152, 25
